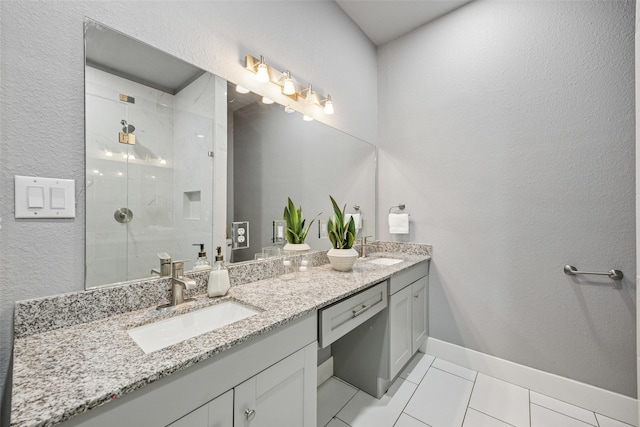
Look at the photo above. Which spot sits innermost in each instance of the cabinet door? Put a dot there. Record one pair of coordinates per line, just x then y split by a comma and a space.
221, 411
419, 313
282, 395
197, 418
216, 413
400, 340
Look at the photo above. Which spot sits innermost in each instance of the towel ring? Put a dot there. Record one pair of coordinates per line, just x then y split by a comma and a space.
400, 206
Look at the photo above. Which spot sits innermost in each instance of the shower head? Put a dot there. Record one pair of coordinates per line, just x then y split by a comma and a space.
127, 128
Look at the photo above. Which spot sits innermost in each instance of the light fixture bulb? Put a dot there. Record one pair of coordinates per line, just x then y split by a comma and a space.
310, 96
307, 118
328, 105
241, 89
288, 110
267, 100
288, 88
262, 72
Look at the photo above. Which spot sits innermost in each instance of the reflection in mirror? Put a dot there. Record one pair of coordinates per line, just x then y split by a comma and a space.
149, 178
275, 154
152, 122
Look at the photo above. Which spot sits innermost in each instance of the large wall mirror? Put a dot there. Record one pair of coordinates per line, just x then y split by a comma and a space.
153, 125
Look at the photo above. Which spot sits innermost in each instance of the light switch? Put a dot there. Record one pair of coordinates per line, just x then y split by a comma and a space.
35, 197
57, 198
42, 198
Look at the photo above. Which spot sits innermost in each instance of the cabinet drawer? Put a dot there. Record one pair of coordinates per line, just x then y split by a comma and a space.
405, 278
340, 318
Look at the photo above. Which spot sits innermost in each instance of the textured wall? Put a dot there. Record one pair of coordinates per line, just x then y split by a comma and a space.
42, 102
508, 130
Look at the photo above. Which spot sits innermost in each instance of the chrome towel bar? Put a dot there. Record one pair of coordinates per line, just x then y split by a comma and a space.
613, 274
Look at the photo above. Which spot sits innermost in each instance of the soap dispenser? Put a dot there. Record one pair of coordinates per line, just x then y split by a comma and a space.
202, 263
218, 277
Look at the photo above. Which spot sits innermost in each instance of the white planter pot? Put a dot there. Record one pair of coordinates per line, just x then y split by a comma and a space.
296, 247
342, 259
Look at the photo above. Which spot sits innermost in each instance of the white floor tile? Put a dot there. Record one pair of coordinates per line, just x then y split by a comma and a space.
417, 367
563, 407
543, 417
474, 418
610, 422
336, 423
407, 421
367, 411
454, 369
333, 394
502, 400
440, 400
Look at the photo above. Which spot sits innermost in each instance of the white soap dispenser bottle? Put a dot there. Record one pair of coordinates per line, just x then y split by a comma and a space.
218, 277
202, 263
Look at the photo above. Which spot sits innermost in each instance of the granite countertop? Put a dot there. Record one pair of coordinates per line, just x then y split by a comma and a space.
64, 372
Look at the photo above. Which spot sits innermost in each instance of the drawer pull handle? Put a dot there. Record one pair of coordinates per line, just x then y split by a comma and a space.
250, 413
364, 308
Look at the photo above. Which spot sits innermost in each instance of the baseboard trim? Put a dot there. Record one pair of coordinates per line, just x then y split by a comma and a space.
605, 402
325, 370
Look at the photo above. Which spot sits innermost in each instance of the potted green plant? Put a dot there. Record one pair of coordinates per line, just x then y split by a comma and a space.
342, 235
296, 231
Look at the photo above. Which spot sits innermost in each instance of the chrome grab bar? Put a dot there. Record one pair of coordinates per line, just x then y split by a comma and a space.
613, 274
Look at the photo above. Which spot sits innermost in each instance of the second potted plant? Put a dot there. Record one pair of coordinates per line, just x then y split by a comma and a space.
342, 235
296, 231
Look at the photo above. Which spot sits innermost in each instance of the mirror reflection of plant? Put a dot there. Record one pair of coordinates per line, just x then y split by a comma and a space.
342, 235
296, 231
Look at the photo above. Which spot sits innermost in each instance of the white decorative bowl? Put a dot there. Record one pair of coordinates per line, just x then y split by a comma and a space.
342, 259
296, 247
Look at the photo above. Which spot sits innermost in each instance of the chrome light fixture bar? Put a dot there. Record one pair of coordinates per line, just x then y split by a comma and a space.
265, 73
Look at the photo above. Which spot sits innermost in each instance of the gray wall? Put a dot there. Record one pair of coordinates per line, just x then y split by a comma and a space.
508, 130
42, 102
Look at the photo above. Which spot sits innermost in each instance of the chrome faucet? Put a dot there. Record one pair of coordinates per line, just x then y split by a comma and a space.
179, 283
363, 246
165, 265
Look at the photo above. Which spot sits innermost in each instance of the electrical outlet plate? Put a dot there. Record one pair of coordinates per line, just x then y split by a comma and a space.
240, 235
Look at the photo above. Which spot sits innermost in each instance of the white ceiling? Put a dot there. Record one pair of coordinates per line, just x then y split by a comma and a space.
385, 20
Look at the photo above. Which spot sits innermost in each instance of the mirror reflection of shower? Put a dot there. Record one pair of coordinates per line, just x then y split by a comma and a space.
127, 136
127, 128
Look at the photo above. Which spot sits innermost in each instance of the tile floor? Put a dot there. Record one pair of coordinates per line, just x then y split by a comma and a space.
432, 392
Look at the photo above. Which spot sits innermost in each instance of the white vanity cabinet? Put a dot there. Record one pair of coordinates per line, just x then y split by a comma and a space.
280, 395
372, 355
271, 379
408, 323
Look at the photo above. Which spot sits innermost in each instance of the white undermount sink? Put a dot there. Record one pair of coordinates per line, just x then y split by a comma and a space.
163, 333
385, 261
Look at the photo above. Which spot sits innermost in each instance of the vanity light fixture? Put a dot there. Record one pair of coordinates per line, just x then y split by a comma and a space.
267, 100
309, 95
288, 110
328, 105
264, 72
241, 89
307, 118
288, 87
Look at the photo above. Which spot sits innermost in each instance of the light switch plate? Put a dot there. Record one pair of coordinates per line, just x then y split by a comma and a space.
37, 197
